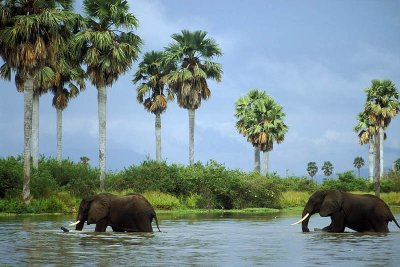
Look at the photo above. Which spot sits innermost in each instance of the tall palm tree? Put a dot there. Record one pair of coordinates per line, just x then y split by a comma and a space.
358, 163
327, 168
68, 70
194, 53
108, 52
366, 133
151, 71
381, 106
31, 37
261, 120
312, 168
244, 112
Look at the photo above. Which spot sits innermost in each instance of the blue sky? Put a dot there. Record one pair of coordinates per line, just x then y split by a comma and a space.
313, 57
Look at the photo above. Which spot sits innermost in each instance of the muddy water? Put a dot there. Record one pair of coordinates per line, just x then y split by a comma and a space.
196, 240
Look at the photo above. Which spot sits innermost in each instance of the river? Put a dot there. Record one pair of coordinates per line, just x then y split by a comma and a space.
224, 239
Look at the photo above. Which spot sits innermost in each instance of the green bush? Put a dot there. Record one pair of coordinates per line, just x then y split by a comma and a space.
390, 182
347, 182
15, 206
257, 191
302, 184
162, 201
11, 173
43, 183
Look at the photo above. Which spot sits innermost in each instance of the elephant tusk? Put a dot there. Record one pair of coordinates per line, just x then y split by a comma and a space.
302, 219
75, 223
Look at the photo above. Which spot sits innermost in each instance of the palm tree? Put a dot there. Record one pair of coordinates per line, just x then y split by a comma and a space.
108, 52
193, 52
244, 113
382, 105
151, 71
366, 133
261, 120
32, 33
358, 163
67, 70
312, 168
327, 168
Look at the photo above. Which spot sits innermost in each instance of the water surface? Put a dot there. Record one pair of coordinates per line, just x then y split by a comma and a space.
195, 240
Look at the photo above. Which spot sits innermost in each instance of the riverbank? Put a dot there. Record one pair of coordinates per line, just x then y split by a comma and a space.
63, 203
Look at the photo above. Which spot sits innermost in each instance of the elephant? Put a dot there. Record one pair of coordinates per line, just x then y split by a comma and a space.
359, 212
128, 213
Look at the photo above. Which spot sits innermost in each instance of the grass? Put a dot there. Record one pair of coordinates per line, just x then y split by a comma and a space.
291, 202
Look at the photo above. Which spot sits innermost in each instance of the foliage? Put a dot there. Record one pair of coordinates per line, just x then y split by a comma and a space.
327, 168
302, 184
162, 200
347, 182
390, 182
312, 169
358, 163
59, 187
294, 198
396, 165
11, 170
260, 119
192, 53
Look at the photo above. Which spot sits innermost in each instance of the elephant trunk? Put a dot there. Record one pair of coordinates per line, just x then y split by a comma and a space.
304, 223
79, 226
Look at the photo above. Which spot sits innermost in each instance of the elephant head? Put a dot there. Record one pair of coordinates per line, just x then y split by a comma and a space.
324, 202
92, 209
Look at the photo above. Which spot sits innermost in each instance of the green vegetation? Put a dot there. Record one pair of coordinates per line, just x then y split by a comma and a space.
59, 187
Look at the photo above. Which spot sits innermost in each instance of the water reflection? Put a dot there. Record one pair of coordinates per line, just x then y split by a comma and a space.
195, 240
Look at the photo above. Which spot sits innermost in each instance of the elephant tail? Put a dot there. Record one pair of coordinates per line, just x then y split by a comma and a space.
394, 219
155, 218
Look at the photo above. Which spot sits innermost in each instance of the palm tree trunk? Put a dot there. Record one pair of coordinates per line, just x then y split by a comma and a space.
371, 159
381, 140
35, 131
102, 101
158, 136
266, 157
59, 135
257, 159
28, 99
191, 135
377, 164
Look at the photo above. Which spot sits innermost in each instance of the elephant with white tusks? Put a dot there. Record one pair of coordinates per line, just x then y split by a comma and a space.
360, 212
129, 213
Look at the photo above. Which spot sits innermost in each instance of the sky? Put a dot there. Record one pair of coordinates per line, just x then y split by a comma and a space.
315, 58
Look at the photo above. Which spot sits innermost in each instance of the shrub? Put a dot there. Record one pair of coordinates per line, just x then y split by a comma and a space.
257, 191
347, 182
161, 200
14, 206
302, 184
294, 199
390, 182
43, 183
11, 171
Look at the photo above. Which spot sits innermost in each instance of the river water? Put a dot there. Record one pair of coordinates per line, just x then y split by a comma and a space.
224, 239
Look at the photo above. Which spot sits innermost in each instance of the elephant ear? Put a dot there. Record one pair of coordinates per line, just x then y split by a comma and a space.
99, 208
332, 203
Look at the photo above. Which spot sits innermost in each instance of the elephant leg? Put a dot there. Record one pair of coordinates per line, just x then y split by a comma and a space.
379, 225
337, 225
327, 228
116, 229
101, 225
144, 226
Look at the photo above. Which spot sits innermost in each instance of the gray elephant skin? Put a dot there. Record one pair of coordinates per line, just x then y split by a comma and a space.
359, 212
128, 213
